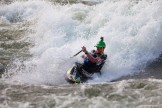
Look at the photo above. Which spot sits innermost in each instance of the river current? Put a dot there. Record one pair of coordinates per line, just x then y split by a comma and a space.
37, 39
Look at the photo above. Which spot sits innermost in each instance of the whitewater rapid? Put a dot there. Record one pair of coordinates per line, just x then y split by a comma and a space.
132, 31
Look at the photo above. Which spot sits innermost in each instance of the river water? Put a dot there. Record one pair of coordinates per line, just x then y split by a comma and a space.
37, 39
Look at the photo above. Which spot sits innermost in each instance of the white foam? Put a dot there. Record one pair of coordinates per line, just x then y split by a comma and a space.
132, 32
3, 20
20, 11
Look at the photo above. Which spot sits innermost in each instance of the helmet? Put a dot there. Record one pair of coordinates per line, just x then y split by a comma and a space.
101, 43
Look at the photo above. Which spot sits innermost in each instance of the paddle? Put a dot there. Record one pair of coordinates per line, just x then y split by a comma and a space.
76, 54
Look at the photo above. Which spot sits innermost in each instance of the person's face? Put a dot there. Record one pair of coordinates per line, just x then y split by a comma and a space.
100, 49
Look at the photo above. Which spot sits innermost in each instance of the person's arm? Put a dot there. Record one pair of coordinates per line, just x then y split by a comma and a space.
90, 57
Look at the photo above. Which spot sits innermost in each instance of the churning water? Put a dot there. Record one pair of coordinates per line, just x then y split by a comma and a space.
39, 37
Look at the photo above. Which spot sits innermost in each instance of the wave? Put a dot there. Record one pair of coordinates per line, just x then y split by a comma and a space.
132, 32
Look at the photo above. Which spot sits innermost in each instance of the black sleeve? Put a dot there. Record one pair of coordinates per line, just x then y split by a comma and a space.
104, 56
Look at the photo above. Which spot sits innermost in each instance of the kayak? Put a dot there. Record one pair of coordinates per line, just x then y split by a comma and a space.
77, 75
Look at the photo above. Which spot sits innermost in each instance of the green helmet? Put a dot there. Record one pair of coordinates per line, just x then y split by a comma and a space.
101, 43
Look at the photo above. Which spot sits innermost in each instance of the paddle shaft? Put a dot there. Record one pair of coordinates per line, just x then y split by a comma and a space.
76, 54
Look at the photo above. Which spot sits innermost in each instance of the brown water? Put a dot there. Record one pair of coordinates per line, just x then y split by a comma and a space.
38, 87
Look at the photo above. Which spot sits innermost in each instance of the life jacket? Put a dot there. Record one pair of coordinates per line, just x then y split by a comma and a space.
94, 67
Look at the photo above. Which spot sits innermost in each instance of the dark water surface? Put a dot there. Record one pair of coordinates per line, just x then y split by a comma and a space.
18, 36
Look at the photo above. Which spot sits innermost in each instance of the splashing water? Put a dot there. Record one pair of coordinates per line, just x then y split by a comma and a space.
131, 29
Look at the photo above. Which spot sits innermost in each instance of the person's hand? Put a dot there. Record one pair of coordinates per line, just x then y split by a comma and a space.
84, 49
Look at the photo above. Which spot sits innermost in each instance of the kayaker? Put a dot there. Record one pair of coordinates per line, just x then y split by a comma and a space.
94, 60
